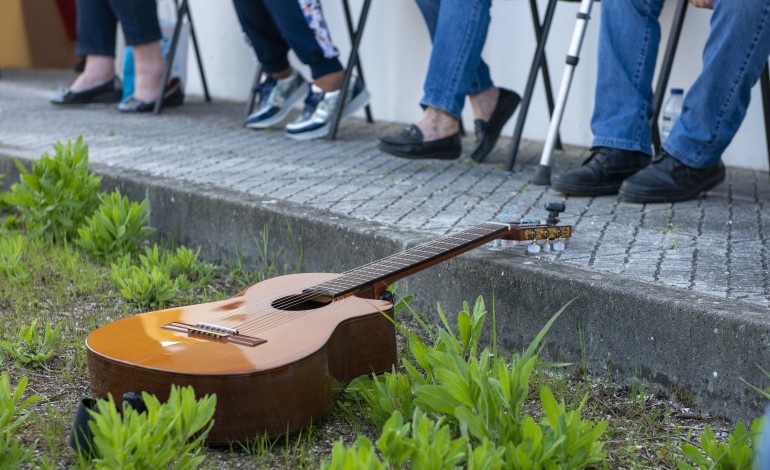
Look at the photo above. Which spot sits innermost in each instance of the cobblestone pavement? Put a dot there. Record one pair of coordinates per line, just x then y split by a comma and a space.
716, 245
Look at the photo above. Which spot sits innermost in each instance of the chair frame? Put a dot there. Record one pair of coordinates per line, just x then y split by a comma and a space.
182, 11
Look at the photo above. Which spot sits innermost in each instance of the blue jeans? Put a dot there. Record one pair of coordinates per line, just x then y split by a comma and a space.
275, 26
736, 50
97, 23
458, 29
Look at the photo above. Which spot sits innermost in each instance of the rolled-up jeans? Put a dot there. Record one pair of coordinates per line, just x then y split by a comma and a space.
714, 108
97, 24
458, 29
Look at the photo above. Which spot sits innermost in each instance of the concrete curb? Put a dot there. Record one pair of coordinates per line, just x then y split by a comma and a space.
698, 346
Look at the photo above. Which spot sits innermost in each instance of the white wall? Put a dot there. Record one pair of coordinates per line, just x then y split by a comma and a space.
396, 48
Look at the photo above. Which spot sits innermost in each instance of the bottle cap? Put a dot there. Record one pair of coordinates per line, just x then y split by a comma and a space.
677, 91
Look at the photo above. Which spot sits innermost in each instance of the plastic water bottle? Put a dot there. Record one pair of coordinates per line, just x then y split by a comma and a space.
672, 108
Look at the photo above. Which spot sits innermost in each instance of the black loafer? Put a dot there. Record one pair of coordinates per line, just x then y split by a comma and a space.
669, 180
173, 96
487, 132
410, 143
107, 92
602, 173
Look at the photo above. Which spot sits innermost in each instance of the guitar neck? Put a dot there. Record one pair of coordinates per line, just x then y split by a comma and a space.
395, 267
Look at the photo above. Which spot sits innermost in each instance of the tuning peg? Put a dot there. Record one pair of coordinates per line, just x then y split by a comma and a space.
546, 247
506, 243
533, 248
559, 246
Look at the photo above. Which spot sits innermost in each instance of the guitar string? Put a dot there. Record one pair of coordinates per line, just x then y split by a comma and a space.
290, 301
282, 310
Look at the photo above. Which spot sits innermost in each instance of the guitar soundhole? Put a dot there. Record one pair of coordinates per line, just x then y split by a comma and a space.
301, 302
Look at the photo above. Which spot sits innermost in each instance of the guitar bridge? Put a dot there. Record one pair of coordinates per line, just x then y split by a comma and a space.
214, 332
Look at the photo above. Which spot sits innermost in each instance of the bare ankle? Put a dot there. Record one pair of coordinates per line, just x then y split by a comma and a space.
483, 104
436, 124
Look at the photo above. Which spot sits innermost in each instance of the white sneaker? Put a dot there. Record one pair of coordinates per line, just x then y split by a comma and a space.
315, 120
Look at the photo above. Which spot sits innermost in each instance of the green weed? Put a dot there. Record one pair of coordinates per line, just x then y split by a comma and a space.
11, 265
30, 348
12, 406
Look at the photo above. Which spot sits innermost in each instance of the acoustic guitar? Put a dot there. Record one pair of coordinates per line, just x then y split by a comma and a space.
277, 354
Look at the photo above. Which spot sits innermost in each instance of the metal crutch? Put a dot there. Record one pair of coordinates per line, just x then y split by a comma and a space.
543, 174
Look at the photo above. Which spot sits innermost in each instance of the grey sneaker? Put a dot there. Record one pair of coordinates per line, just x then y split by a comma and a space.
276, 98
319, 107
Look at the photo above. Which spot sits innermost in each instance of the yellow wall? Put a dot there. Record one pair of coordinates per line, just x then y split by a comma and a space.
14, 50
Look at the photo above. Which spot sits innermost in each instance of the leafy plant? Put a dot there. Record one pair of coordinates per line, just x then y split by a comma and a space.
59, 193
480, 397
12, 455
148, 286
11, 223
117, 228
735, 453
168, 435
185, 265
30, 348
11, 266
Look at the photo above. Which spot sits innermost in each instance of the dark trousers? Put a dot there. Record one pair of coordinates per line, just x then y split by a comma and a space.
97, 24
275, 26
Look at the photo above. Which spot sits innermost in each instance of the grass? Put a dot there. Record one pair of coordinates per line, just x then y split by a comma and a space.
65, 287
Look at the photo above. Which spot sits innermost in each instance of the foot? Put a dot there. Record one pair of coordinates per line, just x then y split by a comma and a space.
106, 92
276, 98
488, 131
436, 124
315, 121
173, 96
410, 143
669, 180
602, 173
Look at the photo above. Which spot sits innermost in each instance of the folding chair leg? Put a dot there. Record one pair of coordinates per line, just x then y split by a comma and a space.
253, 94
764, 80
352, 61
359, 68
543, 175
181, 11
546, 74
537, 62
198, 56
665, 71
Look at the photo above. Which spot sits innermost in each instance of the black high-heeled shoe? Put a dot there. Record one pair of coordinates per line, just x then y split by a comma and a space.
107, 92
173, 96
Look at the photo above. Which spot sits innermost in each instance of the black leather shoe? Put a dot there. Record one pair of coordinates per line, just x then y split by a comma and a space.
487, 132
173, 96
107, 92
409, 143
669, 180
602, 173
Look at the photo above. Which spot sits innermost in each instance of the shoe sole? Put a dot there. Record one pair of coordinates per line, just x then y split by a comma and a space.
281, 115
354, 105
111, 97
444, 155
644, 197
585, 191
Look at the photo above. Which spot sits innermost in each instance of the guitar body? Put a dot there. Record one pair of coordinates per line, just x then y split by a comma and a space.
280, 385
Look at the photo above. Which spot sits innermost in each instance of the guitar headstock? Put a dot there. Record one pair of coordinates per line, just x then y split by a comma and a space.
536, 234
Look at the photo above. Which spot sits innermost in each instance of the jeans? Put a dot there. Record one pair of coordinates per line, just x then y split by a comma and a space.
458, 29
735, 52
275, 26
97, 23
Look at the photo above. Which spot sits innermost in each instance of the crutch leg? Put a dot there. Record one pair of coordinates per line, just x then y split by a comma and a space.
543, 174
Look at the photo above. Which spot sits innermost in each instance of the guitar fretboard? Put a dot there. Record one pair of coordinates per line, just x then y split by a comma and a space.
411, 260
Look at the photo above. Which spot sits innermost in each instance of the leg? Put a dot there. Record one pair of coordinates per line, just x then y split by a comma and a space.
733, 59
735, 54
96, 24
263, 34
304, 29
139, 20
628, 46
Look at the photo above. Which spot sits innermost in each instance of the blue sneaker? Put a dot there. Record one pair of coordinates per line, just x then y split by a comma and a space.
276, 98
319, 107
